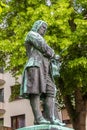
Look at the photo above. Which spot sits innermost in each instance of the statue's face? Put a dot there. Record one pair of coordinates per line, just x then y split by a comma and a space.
42, 29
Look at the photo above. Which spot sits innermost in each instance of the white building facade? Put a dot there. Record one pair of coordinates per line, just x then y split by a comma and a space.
16, 113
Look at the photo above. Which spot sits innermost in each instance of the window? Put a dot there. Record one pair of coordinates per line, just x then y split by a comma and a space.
2, 95
15, 92
18, 121
1, 70
1, 122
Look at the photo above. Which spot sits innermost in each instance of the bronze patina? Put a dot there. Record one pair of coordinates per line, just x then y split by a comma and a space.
37, 79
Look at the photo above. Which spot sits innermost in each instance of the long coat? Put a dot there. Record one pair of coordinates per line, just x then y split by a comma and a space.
38, 66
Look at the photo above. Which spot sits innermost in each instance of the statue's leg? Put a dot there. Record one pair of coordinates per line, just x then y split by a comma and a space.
50, 104
49, 108
35, 104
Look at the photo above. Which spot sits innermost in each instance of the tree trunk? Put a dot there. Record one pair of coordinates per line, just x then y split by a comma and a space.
80, 105
77, 115
80, 122
78, 112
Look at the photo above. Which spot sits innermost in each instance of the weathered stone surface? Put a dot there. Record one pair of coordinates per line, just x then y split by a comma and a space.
45, 127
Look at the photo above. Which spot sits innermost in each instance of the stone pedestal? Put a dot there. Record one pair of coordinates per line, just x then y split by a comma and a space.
45, 127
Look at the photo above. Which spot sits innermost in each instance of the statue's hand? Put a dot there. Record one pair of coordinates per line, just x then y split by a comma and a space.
57, 57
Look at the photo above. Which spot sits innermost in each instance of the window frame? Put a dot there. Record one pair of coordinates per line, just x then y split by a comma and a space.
16, 120
2, 95
2, 119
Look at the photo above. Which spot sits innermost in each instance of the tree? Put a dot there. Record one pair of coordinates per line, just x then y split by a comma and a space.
66, 31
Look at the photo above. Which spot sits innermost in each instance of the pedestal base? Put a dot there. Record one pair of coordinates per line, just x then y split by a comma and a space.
45, 127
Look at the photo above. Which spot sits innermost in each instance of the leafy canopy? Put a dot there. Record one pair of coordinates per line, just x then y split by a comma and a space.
67, 30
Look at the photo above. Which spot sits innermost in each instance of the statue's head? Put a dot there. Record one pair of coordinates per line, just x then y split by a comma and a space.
40, 26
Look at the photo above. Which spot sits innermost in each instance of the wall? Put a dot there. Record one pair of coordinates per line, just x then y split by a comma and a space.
17, 107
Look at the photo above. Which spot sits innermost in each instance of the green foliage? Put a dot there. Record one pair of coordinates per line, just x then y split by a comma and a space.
3, 7
67, 30
74, 68
67, 35
20, 18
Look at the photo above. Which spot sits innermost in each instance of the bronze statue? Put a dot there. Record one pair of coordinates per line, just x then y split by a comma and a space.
37, 79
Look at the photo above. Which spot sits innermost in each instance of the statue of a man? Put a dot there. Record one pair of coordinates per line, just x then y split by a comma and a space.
37, 80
